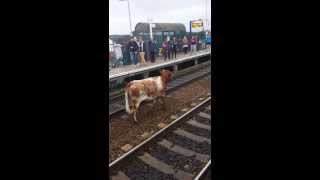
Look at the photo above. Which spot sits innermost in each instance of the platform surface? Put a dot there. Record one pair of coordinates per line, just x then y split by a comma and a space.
158, 60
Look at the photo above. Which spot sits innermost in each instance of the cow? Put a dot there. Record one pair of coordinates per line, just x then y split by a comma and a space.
147, 89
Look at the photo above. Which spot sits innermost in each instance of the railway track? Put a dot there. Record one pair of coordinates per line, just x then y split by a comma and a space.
116, 103
116, 94
181, 150
206, 173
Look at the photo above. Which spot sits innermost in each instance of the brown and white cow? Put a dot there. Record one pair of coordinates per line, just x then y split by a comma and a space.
147, 89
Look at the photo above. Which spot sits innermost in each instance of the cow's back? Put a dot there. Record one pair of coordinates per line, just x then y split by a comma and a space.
150, 87
159, 83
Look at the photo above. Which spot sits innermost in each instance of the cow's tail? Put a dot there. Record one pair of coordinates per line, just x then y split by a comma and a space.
127, 101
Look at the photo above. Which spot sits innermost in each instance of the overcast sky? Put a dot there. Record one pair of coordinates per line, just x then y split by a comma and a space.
162, 11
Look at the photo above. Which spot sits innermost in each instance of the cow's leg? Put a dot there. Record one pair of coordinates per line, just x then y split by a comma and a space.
134, 110
137, 105
135, 116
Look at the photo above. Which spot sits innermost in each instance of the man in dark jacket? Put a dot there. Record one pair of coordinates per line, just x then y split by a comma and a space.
133, 49
152, 48
174, 47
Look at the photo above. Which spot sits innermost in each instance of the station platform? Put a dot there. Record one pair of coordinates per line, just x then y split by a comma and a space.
159, 60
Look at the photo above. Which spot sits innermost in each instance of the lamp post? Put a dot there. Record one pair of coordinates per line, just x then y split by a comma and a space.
150, 28
129, 15
206, 18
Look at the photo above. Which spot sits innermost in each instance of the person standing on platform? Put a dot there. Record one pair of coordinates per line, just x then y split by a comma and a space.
169, 42
132, 48
137, 51
174, 47
152, 48
142, 50
165, 49
203, 43
185, 44
193, 45
126, 57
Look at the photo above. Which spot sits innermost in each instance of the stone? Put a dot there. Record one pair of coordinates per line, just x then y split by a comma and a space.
162, 125
193, 104
126, 147
173, 117
145, 135
184, 109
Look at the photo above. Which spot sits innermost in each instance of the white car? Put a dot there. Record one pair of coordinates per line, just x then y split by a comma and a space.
116, 53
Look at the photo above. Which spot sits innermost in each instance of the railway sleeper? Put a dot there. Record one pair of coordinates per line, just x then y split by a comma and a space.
192, 136
199, 125
183, 151
205, 115
165, 168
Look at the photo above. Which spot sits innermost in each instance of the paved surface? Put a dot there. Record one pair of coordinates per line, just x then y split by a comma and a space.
158, 60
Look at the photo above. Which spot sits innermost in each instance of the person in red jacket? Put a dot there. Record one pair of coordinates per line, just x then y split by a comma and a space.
165, 47
193, 43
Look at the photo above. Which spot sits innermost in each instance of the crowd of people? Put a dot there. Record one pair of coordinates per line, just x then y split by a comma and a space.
140, 51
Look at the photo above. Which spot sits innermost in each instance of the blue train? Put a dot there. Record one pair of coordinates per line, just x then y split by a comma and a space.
208, 37
208, 40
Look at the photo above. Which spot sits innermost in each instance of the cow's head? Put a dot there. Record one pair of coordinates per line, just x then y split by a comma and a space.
166, 75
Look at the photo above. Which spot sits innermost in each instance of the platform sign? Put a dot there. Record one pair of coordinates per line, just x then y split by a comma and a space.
197, 25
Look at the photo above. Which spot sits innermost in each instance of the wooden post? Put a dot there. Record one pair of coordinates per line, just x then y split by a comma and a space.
175, 68
146, 75
195, 61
